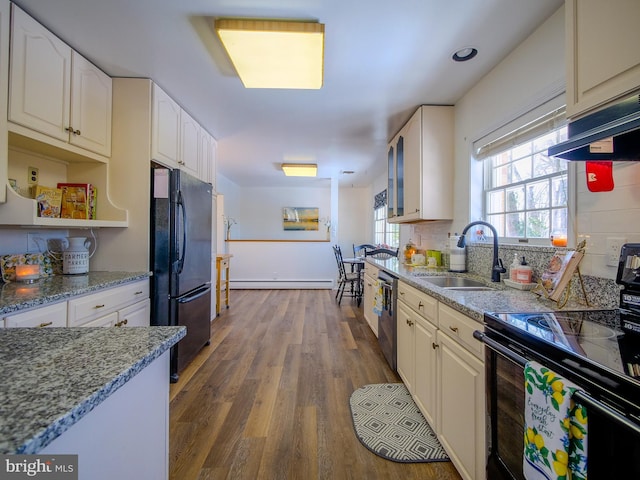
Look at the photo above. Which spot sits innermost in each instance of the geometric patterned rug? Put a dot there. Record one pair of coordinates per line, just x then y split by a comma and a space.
388, 422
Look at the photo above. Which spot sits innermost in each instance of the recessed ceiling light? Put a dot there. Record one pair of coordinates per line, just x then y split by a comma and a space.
464, 54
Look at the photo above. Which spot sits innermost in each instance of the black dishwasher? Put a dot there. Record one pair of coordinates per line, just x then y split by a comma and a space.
387, 318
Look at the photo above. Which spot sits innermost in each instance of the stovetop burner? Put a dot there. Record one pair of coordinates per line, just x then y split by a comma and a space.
564, 325
596, 336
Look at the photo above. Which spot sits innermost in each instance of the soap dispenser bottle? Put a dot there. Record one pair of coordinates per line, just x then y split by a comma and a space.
525, 272
513, 269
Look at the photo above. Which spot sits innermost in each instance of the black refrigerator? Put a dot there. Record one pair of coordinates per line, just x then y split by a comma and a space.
181, 208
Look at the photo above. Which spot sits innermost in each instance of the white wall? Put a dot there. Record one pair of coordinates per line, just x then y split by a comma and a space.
278, 262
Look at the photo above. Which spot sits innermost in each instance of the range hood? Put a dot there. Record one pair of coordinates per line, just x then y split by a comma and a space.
612, 133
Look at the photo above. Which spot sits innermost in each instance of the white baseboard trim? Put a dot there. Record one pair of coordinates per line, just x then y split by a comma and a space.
311, 284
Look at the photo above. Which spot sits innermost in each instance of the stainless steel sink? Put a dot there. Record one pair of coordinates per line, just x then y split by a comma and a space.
457, 283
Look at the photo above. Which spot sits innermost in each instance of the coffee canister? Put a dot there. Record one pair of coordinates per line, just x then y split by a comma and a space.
457, 255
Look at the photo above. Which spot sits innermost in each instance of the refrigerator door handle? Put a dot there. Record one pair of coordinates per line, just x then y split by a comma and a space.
183, 250
197, 294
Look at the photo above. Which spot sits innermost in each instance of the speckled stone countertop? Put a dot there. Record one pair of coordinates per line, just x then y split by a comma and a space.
52, 377
15, 296
472, 303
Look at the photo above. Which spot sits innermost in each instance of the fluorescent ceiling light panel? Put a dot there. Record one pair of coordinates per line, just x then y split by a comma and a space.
300, 169
274, 54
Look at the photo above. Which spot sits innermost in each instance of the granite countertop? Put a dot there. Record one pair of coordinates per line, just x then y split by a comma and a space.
472, 303
52, 377
15, 296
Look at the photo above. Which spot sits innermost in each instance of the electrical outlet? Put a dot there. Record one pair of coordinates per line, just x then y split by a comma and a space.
32, 175
612, 253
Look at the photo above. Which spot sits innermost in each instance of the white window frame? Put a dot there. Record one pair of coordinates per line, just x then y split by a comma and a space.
385, 233
496, 163
532, 123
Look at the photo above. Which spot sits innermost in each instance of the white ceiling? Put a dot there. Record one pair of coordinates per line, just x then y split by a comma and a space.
382, 59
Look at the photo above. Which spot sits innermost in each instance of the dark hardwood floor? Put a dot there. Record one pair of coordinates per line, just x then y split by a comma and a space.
269, 398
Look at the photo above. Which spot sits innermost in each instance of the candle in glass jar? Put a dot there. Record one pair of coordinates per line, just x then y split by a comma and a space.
27, 272
559, 241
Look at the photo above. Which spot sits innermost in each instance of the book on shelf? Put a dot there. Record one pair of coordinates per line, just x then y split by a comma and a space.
49, 201
559, 272
78, 200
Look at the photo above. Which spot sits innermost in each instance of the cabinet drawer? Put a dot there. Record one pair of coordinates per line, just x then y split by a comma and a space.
418, 301
371, 270
96, 305
460, 327
50, 316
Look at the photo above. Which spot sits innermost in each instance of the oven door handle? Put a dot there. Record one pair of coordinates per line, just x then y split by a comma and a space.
579, 395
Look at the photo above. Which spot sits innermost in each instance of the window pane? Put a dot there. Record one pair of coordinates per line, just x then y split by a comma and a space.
521, 170
559, 220
514, 225
521, 151
495, 202
538, 195
559, 191
502, 158
544, 165
498, 222
501, 176
515, 199
538, 224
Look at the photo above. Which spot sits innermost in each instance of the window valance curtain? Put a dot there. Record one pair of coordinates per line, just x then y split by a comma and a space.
380, 200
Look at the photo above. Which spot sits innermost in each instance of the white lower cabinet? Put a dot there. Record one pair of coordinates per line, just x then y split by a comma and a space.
50, 316
405, 336
88, 308
125, 305
369, 293
106, 321
461, 421
425, 387
137, 315
442, 366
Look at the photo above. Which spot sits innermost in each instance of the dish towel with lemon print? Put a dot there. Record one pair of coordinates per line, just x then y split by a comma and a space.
377, 298
555, 437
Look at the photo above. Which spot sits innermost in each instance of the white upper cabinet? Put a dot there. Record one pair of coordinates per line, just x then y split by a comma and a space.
91, 106
55, 91
420, 167
208, 158
189, 160
178, 140
603, 59
165, 135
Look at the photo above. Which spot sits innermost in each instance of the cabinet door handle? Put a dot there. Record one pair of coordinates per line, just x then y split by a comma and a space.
401, 293
76, 132
138, 292
121, 323
420, 305
453, 329
435, 345
99, 306
68, 129
45, 324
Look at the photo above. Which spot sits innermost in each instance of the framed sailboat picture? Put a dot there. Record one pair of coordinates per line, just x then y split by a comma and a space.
300, 218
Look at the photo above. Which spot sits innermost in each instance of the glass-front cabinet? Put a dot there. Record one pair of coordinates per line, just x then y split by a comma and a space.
420, 164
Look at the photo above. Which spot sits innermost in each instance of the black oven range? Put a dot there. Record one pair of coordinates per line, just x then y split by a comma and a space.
598, 350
